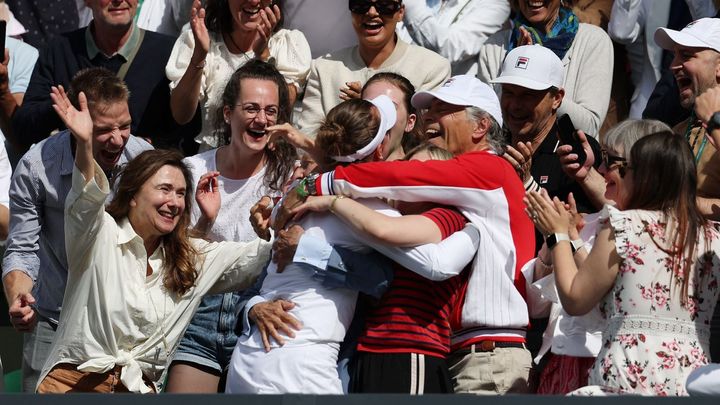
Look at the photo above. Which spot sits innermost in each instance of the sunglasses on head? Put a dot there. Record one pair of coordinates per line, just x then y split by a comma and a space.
383, 7
612, 161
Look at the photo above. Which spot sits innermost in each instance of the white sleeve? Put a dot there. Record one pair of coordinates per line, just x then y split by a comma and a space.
179, 61
435, 261
84, 213
292, 56
541, 293
231, 266
626, 22
466, 34
587, 106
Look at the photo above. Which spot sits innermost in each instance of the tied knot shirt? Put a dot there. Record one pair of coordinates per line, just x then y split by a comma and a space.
115, 315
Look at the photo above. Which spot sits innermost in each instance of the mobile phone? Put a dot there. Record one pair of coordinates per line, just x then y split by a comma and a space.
3, 26
568, 136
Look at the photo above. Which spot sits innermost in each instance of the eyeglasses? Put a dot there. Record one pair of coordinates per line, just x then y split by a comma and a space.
252, 111
383, 7
612, 161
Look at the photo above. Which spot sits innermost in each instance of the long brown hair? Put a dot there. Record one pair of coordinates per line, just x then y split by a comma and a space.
179, 256
282, 156
664, 178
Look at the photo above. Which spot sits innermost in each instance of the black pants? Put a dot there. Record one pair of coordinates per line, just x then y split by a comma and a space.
399, 373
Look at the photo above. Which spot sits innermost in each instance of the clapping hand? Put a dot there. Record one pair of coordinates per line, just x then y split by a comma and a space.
269, 19
549, 215
520, 159
200, 32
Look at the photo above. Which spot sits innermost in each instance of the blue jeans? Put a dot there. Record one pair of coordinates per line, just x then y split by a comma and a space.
210, 338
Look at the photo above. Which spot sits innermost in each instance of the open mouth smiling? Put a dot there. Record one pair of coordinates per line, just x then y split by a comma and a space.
252, 11
110, 156
683, 82
373, 25
256, 133
170, 215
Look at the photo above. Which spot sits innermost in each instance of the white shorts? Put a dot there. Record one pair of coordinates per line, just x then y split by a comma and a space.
309, 369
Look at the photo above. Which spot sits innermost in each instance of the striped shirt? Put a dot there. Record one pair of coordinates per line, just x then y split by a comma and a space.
413, 316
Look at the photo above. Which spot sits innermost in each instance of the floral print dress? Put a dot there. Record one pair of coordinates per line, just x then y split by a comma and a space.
652, 340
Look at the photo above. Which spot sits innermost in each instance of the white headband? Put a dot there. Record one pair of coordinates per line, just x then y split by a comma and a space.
388, 116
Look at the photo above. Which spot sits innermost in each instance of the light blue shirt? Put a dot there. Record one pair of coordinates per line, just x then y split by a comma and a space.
22, 62
36, 240
20, 68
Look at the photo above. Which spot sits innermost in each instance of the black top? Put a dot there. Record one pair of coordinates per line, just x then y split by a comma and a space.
149, 88
547, 171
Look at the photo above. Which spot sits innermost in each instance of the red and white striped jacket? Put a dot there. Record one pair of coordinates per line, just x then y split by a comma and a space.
488, 191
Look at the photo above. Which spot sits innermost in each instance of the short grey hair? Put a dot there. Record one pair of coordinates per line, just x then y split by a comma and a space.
621, 138
495, 136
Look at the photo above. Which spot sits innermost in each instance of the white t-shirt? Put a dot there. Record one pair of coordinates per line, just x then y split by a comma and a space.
236, 196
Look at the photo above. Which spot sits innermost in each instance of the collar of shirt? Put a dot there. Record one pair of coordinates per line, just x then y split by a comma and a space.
551, 142
124, 51
126, 233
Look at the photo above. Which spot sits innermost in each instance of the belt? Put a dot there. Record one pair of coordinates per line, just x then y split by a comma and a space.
489, 346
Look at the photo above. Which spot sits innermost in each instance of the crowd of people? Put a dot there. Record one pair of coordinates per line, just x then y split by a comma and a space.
365, 196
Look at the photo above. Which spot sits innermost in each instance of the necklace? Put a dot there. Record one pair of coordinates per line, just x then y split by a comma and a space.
237, 47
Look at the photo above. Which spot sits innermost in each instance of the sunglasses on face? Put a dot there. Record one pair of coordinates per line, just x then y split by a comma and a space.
612, 161
383, 7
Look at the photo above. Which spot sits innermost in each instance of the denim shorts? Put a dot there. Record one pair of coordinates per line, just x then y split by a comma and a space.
210, 338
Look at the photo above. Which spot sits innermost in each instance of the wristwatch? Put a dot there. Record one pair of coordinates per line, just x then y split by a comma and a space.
714, 122
554, 238
577, 244
310, 183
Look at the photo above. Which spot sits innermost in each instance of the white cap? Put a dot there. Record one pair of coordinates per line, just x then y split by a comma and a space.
462, 90
388, 117
702, 33
533, 67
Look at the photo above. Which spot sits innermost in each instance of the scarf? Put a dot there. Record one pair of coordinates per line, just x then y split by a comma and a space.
558, 40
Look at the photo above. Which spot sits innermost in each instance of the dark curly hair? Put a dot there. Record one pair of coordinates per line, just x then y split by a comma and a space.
282, 156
